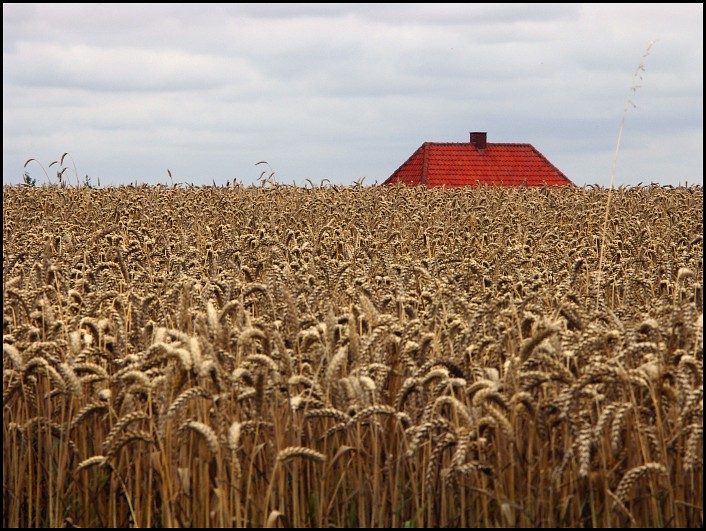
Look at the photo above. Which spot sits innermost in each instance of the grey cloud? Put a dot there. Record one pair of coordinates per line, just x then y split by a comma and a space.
118, 69
345, 90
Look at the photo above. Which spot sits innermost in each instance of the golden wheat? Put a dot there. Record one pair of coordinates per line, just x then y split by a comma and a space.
450, 357
633, 476
206, 432
300, 452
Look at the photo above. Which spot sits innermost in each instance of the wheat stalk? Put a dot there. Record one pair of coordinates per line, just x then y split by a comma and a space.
206, 432
300, 452
99, 460
634, 475
122, 423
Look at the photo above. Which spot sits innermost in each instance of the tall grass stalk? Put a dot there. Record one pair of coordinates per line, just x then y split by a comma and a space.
637, 76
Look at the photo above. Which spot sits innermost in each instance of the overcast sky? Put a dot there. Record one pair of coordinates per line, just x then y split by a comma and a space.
345, 91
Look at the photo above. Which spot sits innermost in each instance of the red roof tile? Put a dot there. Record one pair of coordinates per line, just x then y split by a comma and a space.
462, 164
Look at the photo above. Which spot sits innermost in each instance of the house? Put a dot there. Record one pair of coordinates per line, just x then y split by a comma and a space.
477, 162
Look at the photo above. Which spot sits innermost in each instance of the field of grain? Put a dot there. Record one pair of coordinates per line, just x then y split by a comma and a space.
352, 356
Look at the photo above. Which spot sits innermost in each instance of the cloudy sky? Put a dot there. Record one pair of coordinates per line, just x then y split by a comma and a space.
346, 91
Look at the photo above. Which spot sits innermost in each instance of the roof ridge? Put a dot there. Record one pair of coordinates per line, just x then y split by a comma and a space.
471, 145
390, 179
545, 159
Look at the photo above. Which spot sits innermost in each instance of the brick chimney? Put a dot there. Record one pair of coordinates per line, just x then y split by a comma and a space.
479, 140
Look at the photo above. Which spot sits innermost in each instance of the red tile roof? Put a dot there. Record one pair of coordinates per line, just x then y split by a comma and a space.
462, 164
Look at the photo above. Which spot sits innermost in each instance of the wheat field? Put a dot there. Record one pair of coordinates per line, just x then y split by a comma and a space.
352, 357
